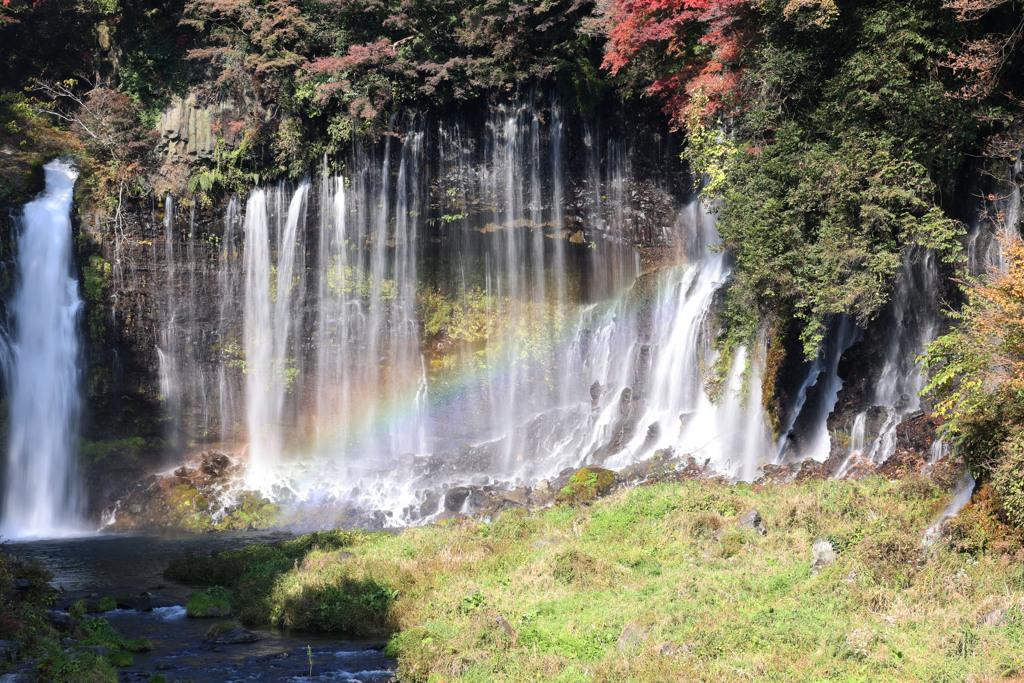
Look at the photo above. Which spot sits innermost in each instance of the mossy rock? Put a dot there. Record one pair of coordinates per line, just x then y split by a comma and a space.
107, 604
215, 601
587, 484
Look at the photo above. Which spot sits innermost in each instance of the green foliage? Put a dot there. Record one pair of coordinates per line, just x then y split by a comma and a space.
533, 596
139, 645
832, 170
215, 601
818, 229
28, 141
345, 604
218, 628
121, 450
976, 380
98, 631
189, 508
472, 316
78, 609
82, 667
250, 511
1008, 480
106, 604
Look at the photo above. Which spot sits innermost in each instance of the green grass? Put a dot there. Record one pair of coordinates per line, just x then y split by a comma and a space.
546, 596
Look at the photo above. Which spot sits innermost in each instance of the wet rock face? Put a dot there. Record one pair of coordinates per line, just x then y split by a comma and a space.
201, 496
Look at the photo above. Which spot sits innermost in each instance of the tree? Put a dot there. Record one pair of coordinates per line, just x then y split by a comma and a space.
692, 51
978, 379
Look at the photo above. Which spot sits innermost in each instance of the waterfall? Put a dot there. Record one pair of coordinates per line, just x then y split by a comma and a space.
272, 294
913, 316
809, 415
464, 305
42, 495
649, 374
168, 352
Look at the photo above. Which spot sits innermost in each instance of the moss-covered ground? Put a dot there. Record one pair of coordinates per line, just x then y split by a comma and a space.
660, 583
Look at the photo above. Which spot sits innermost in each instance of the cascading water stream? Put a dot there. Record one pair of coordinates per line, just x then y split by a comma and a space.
42, 492
271, 297
914, 314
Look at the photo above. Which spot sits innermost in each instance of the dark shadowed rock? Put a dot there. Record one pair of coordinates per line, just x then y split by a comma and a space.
455, 498
9, 650
518, 496
233, 636
215, 464
143, 602
61, 620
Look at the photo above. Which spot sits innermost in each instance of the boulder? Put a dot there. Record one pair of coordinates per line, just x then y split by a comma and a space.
143, 602
518, 497
233, 636
455, 498
9, 650
215, 464
823, 554
751, 519
632, 637
62, 621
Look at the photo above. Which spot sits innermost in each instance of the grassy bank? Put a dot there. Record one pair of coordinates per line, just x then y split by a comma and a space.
661, 583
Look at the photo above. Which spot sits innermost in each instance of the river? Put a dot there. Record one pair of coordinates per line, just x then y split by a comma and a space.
123, 565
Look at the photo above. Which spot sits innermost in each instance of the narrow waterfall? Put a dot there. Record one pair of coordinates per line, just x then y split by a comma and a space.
809, 418
272, 294
168, 352
42, 495
913, 318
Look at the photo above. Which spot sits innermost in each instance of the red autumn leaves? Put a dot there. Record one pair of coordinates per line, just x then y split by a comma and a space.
694, 46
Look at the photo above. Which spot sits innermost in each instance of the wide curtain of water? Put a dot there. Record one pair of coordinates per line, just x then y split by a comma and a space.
464, 304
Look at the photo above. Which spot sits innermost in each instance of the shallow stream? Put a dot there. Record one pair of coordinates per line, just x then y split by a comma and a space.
123, 565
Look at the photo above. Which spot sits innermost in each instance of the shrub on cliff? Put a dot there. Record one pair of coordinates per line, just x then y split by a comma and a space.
978, 380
